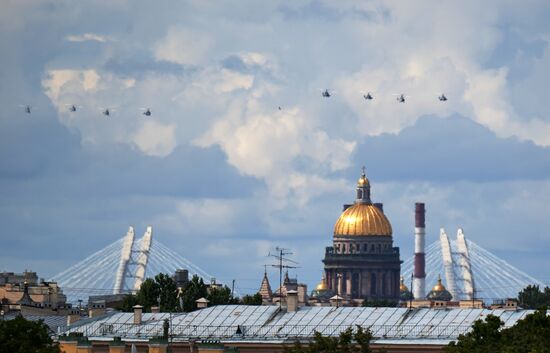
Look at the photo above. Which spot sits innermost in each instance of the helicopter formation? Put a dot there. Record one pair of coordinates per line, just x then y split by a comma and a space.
324, 93
73, 108
400, 97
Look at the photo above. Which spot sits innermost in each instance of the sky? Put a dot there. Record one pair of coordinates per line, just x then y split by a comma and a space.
224, 175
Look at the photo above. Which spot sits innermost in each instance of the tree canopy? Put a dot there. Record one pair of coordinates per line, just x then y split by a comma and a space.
255, 299
162, 290
532, 297
23, 336
349, 341
530, 335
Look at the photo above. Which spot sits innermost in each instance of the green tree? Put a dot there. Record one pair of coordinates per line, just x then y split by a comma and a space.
255, 299
349, 341
22, 336
529, 335
160, 290
531, 297
148, 294
128, 303
484, 337
221, 296
167, 293
193, 290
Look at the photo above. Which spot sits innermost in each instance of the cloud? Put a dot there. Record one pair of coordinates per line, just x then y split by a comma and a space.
217, 140
183, 46
156, 139
451, 149
86, 80
267, 146
86, 37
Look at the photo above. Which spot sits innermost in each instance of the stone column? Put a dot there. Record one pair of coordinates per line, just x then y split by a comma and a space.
339, 282
348, 283
379, 284
369, 282
364, 283
360, 284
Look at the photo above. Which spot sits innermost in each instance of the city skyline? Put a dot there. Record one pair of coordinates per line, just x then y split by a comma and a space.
242, 152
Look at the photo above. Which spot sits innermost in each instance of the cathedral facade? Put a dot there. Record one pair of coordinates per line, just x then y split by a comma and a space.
362, 263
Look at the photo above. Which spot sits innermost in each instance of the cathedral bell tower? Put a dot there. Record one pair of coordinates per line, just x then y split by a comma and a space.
362, 262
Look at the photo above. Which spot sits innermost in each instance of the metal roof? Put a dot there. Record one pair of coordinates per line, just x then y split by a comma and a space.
267, 323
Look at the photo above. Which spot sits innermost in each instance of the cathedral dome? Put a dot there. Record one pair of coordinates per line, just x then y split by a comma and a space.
439, 292
362, 219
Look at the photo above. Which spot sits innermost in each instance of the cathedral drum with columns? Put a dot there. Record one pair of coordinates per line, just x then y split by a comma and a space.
363, 263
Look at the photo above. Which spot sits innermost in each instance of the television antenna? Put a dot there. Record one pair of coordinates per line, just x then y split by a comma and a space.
282, 262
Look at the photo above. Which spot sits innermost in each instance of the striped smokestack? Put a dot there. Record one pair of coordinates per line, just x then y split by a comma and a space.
419, 281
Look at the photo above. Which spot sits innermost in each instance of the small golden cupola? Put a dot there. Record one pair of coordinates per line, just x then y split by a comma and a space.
323, 284
321, 291
439, 292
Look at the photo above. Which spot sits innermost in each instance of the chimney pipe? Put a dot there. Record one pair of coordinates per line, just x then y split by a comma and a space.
138, 310
419, 281
291, 301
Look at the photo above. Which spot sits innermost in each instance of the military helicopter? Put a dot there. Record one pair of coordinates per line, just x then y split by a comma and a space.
401, 98
147, 111
72, 107
106, 112
325, 93
26, 107
368, 96
442, 97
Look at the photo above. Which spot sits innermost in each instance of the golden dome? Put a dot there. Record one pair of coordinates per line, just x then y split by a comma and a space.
363, 181
402, 286
322, 285
362, 219
439, 287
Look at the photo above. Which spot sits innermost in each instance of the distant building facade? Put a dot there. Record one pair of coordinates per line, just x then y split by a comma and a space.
362, 263
25, 292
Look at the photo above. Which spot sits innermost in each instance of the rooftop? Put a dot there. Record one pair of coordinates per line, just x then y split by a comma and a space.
267, 323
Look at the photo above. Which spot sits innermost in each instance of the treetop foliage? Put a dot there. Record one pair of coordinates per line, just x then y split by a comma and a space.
529, 335
349, 341
23, 336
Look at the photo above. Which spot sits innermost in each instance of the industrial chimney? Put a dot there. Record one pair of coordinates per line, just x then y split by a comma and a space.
419, 282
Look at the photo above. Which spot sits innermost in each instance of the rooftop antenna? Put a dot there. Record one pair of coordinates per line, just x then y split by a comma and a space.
281, 263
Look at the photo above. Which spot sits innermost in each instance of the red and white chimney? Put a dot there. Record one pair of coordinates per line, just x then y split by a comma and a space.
419, 277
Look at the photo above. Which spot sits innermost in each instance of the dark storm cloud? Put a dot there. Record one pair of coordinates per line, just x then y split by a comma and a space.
451, 149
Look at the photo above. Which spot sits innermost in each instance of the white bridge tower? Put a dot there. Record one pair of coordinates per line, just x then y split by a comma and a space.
133, 263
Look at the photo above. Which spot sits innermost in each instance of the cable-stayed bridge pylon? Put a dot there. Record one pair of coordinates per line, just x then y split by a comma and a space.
122, 266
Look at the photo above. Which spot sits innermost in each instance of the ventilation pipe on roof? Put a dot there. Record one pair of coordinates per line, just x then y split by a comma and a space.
138, 312
291, 301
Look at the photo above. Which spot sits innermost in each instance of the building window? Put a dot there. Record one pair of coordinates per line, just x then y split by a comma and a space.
365, 247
